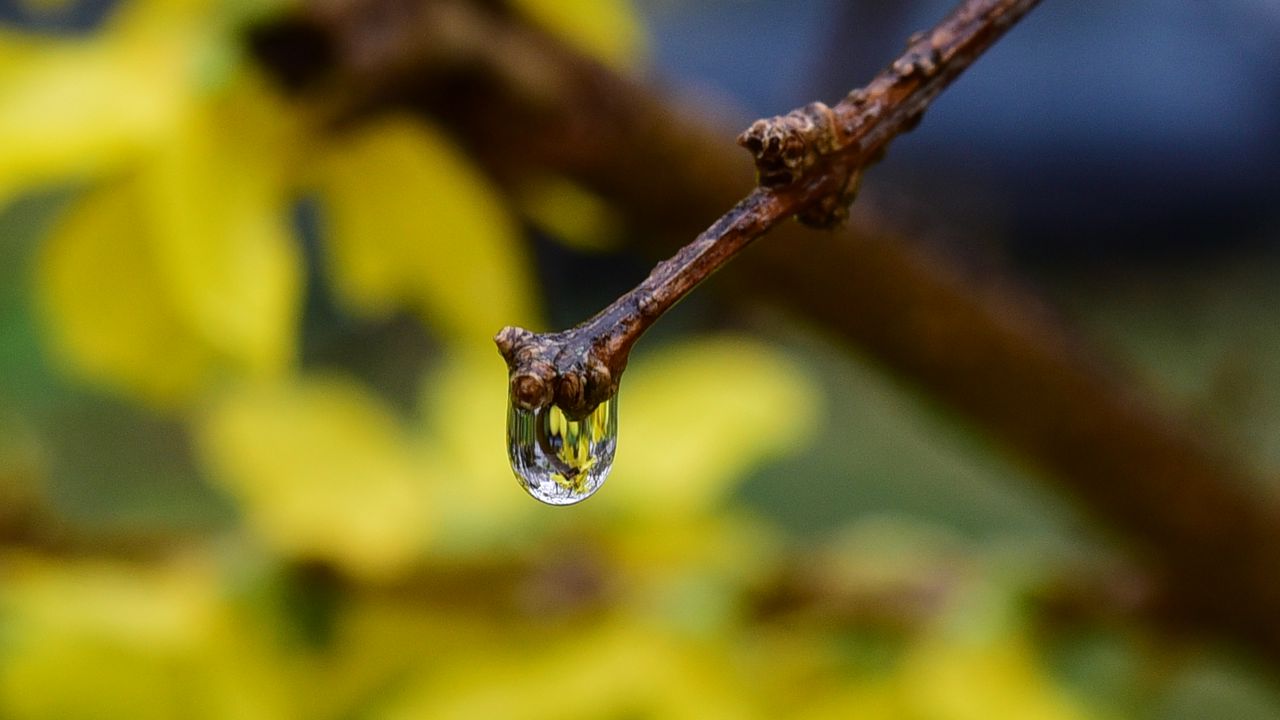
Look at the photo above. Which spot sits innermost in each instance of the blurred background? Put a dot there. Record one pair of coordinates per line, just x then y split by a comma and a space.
1006, 447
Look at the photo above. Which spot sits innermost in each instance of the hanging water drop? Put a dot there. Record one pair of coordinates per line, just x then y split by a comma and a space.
561, 461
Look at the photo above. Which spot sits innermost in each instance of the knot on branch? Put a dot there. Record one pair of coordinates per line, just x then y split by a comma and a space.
786, 146
558, 369
922, 56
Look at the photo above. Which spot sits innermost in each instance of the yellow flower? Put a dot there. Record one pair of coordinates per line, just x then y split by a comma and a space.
102, 640
183, 269
322, 471
412, 224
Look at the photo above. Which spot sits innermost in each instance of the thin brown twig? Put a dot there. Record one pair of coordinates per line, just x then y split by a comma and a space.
809, 164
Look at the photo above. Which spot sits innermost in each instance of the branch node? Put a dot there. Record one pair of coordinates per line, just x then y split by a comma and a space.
787, 146
531, 375
562, 369
922, 58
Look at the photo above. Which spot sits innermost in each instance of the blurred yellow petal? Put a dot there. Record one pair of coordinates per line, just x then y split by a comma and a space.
957, 679
412, 222
183, 268
87, 639
106, 302
571, 213
217, 197
616, 668
694, 418
77, 109
608, 29
321, 470
873, 701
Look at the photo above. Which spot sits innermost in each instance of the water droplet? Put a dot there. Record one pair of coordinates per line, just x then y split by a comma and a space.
558, 460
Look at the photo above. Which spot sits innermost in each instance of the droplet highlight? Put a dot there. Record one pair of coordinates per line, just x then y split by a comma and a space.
561, 461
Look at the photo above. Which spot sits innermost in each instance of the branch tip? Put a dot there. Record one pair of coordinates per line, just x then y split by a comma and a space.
562, 369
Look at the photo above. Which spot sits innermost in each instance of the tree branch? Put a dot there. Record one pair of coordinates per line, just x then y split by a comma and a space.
523, 102
809, 164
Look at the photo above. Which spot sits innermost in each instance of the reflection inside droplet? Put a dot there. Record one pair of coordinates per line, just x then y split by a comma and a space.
558, 460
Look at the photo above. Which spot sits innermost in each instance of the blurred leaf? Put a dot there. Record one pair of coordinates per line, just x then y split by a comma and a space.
885, 449
1204, 337
22, 469
1219, 687
607, 29
322, 471
412, 222
695, 418
127, 472
26, 380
